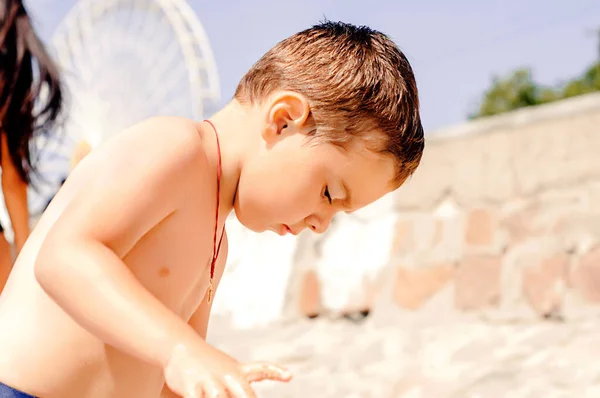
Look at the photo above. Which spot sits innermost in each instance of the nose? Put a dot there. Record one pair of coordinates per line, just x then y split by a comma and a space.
319, 223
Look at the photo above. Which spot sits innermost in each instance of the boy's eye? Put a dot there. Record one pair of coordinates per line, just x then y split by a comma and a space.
326, 194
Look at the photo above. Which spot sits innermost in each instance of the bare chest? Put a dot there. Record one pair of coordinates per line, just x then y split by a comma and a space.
173, 260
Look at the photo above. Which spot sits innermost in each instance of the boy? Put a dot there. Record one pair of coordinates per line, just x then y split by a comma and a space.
112, 293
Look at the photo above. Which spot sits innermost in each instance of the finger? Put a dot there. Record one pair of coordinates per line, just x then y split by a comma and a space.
194, 392
214, 389
239, 388
265, 371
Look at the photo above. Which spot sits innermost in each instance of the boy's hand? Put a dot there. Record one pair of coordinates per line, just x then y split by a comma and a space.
209, 373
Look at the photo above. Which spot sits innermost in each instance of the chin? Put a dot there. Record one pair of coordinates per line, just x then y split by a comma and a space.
248, 218
249, 224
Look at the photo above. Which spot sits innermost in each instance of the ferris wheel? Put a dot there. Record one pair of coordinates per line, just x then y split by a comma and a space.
123, 61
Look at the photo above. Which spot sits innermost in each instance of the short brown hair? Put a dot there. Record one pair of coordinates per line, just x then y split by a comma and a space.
356, 80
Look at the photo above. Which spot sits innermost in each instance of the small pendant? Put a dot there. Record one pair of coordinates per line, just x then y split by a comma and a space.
210, 291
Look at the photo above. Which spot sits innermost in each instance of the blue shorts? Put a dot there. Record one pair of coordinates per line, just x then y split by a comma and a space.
9, 392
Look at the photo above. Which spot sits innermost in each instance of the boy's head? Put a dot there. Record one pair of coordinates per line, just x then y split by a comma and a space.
339, 111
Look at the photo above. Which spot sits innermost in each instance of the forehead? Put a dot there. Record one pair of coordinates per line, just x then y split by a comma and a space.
367, 175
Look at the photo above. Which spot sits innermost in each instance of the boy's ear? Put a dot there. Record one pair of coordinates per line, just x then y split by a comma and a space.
287, 113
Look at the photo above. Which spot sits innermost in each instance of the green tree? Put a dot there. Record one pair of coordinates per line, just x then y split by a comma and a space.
516, 91
519, 90
588, 83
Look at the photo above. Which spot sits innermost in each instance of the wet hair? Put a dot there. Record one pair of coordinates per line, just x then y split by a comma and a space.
30, 91
358, 84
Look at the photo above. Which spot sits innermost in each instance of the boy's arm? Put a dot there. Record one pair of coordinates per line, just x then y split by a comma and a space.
200, 318
80, 262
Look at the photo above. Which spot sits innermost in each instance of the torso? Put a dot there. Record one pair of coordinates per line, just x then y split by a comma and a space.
172, 261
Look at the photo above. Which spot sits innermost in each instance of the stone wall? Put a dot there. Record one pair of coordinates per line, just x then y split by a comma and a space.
507, 210
502, 215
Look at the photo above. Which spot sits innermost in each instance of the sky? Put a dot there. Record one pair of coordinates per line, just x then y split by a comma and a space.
455, 47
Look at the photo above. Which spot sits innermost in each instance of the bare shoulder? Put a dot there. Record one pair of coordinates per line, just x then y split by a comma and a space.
165, 149
135, 179
170, 139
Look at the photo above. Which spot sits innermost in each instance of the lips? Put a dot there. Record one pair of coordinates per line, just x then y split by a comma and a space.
287, 230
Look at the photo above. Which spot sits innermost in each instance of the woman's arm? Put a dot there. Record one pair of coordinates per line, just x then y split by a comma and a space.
15, 196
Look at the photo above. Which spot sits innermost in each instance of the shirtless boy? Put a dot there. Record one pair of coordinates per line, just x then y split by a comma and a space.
111, 295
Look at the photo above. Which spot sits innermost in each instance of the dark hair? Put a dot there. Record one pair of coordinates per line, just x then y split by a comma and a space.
30, 94
357, 82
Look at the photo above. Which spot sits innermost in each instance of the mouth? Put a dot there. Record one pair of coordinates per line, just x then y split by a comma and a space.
284, 230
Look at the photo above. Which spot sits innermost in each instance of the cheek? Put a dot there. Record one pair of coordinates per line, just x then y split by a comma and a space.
286, 192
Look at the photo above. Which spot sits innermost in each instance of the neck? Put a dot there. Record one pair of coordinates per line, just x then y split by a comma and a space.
229, 121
